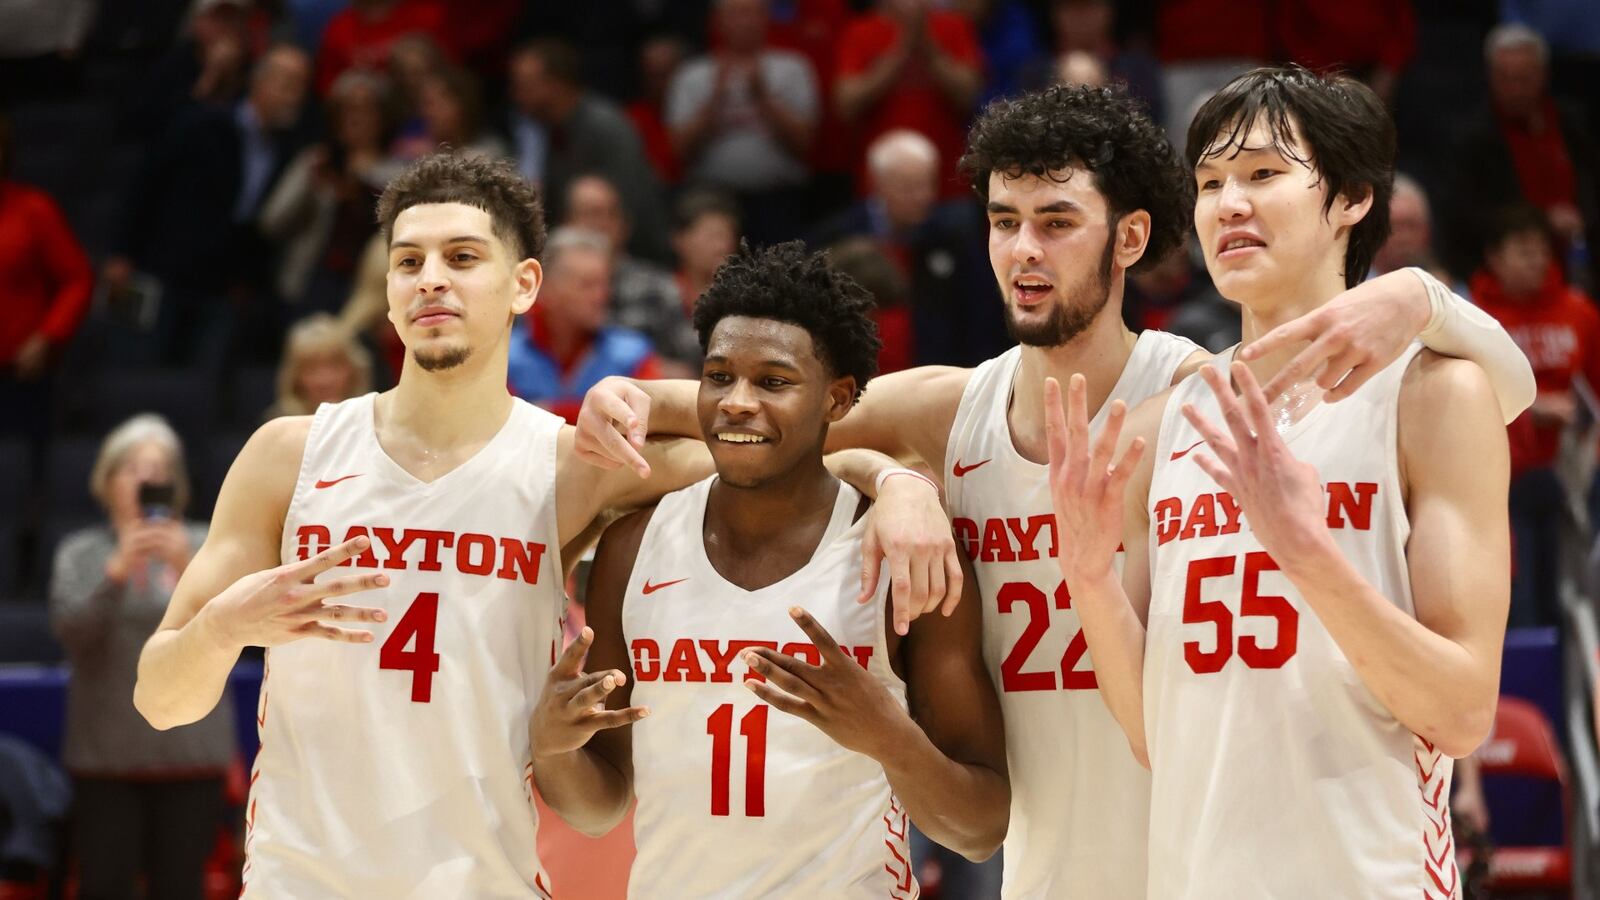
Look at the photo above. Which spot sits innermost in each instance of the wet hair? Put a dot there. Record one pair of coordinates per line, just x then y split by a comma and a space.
1333, 124
788, 283
491, 185
1510, 221
1098, 129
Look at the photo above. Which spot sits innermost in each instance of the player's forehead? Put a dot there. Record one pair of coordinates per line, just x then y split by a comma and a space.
1070, 189
752, 340
434, 224
1259, 138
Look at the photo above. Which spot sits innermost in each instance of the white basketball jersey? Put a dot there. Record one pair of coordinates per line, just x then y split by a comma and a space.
400, 768
1277, 773
1078, 797
736, 799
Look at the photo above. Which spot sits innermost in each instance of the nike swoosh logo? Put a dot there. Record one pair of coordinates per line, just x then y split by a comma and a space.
959, 470
1182, 453
652, 588
328, 484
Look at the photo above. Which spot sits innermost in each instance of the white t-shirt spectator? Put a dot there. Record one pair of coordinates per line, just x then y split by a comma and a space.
741, 152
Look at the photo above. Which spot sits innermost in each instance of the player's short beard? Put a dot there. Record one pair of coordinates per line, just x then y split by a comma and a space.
441, 360
1078, 307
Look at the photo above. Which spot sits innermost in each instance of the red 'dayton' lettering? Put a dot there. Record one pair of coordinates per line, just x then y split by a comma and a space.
424, 550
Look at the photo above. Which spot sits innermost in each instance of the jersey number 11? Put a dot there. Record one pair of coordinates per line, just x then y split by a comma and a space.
753, 726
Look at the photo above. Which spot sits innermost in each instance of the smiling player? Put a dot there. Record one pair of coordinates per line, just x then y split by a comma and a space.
776, 760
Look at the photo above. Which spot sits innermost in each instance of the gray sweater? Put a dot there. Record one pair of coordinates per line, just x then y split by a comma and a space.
103, 626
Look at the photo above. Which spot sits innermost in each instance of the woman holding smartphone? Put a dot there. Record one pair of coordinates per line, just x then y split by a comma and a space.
145, 801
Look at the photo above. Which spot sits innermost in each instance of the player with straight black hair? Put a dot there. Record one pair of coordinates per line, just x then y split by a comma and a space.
736, 597
1308, 621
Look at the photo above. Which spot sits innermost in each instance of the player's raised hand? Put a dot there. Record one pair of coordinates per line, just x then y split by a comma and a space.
839, 696
613, 424
1351, 338
909, 528
1280, 495
276, 606
1086, 487
572, 706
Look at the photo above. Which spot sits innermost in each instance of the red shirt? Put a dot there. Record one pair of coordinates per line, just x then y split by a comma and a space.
356, 41
914, 101
1559, 331
1204, 30
646, 118
1356, 34
47, 276
1544, 170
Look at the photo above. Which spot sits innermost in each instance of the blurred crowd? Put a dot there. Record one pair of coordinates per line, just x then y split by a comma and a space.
187, 203
188, 239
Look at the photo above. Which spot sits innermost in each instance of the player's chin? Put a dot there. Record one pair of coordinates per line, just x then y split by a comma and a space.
737, 469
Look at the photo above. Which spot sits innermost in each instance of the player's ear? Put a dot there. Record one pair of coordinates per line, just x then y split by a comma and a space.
1352, 205
841, 397
1132, 236
527, 277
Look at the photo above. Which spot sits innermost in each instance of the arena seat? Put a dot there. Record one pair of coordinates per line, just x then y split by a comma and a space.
1525, 784
25, 635
188, 400
67, 480
16, 474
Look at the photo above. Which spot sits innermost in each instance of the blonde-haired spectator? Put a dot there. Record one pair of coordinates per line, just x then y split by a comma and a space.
322, 363
145, 800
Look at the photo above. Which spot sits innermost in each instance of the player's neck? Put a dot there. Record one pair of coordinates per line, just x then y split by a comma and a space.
1282, 303
745, 524
1100, 353
439, 413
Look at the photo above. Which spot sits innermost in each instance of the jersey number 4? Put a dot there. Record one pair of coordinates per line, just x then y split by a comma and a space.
753, 726
415, 628
1252, 604
1012, 678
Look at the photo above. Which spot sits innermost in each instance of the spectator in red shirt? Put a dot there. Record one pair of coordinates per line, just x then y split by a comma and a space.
360, 36
908, 66
659, 59
47, 279
1372, 39
1526, 148
1202, 45
1559, 330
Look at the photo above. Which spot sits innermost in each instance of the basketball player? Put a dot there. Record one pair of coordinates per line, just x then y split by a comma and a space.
395, 758
1315, 594
1081, 187
699, 599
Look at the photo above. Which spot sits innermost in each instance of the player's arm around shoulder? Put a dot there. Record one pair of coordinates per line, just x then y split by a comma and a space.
952, 698
1455, 468
235, 593
584, 491
906, 414
580, 735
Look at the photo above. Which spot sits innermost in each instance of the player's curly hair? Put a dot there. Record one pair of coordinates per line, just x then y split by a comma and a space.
791, 284
491, 185
1101, 130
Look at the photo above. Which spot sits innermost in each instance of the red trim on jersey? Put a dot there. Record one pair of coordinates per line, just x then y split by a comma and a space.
900, 869
1438, 843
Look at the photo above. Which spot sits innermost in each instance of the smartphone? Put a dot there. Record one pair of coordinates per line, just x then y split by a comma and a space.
157, 499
